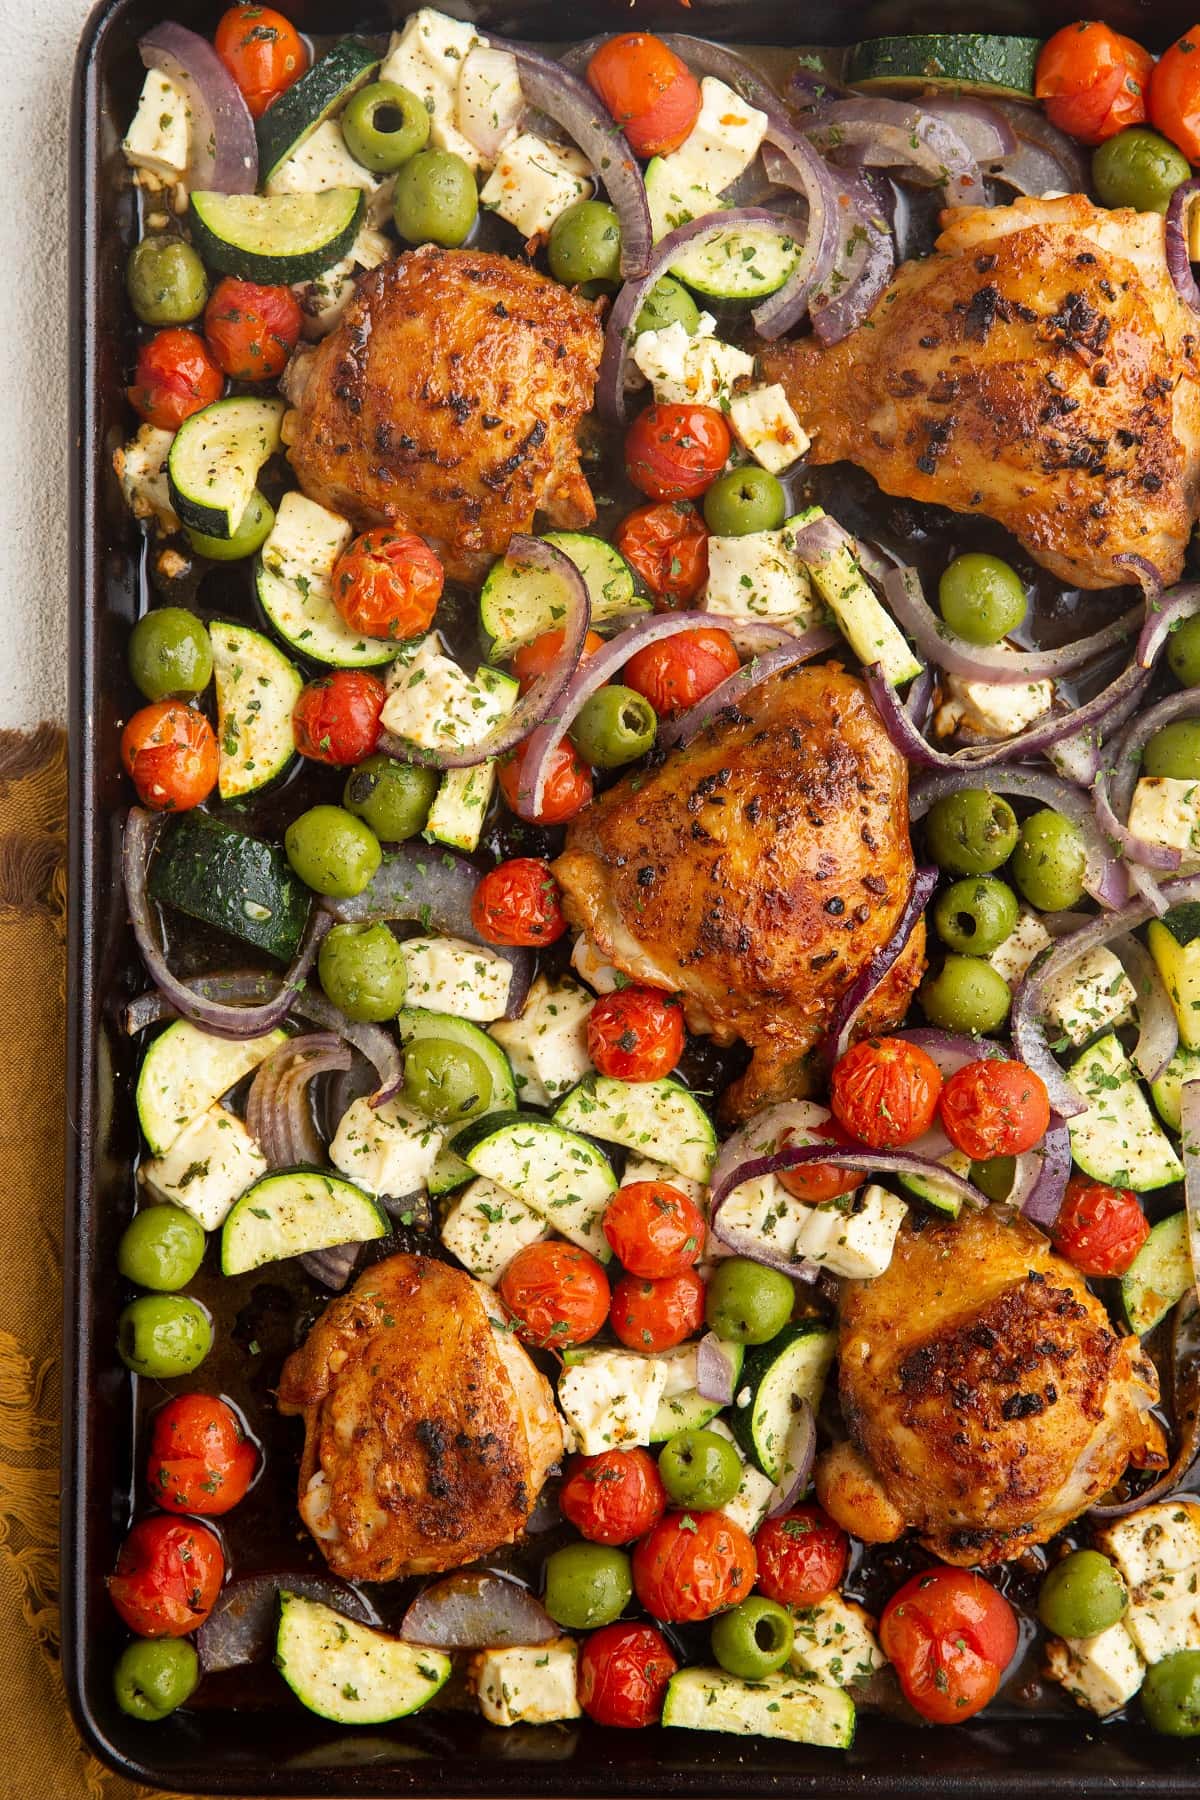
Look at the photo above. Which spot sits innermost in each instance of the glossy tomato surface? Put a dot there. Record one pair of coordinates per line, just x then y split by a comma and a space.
614, 1497
567, 789
652, 1316
673, 451
635, 1034
251, 330
175, 377
693, 1565
170, 753
623, 1675
802, 1556
557, 1293
200, 1458
818, 1182
884, 1092
1099, 1229
994, 1107
654, 1229
538, 657
681, 670
168, 1576
336, 717
387, 584
650, 92
518, 902
1093, 81
262, 51
951, 1636
667, 547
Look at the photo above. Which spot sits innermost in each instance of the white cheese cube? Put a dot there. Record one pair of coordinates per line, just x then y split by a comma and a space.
533, 182
683, 1370
1160, 1628
324, 299
485, 1227
385, 1149
490, 101
1101, 1673
766, 427
427, 58
527, 1685
696, 366
835, 1640
1027, 939
765, 1210
141, 468
321, 162
610, 1398
759, 576
1155, 1549
547, 1045
748, 1508
210, 1165
1092, 994
855, 1244
434, 703
992, 709
159, 139
451, 976
1167, 811
601, 976
305, 542
722, 143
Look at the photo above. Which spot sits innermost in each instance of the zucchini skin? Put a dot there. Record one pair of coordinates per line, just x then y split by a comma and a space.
278, 269
298, 111
965, 62
212, 871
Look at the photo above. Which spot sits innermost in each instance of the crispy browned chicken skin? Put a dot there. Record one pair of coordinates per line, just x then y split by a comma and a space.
446, 402
988, 1399
755, 871
428, 1433
1040, 367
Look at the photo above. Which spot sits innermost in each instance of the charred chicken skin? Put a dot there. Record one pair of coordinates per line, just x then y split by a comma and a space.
754, 873
1040, 368
428, 1432
988, 1399
446, 402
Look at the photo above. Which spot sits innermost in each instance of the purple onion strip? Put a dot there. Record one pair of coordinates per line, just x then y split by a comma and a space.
877, 968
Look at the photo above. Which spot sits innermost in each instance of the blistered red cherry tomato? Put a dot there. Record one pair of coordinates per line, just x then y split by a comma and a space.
673, 451
262, 51
1174, 100
667, 546
534, 659
884, 1092
680, 670
650, 92
170, 753
693, 1565
635, 1034
567, 789
614, 1497
994, 1107
1100, 1229
336, 718
201, 1460
387, 584
623, 1675
168, 1575
802, 1556
251, 330
557, 1293
951, 1636
1093, 81
175, 377
656, 1315
817, 1182
518, 902
654, 1229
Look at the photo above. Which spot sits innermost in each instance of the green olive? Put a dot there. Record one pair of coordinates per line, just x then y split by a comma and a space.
981, 598
585, 244
170, 653
155, 1675
253, 529
754, 1638
587, 1585
744, 500
994, 1177
1171, 1694
161, 1248
700, 1470
332, 852
1183, 652
975, 915
163, 1335
165, 281
1049, 861
1081, 1596
446, 1081
435, 201
667, 301
384, 125
965, 995
1174, 751
747, 1302
615, 726
971, 832
363, 971
1138, 168
393, 797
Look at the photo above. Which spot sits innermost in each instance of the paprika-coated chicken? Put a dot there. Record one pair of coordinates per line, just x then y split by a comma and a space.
989, 1400
755, 871
446, 402
428, 1431
1040, 368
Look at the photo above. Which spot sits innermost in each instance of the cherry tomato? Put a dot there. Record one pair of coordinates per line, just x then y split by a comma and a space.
1093, 81
951, 1637
802, 1556
557, 1293
650, 92
884, 1092
680, 670
657, 1315
613, 1498
667, 546
534, 659
251, 330
816, 1182
623, 1675
200, 1458
175, 377
994, 1108
170, 753
674, 451
655, 1229
1175, 94
693, 1565
168, 1575
567, 790
262, 51
519, 902
635, 1034
1100, 1229
336, 718
387, 584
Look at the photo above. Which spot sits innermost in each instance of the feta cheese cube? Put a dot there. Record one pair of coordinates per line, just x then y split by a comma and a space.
322, 161
748, 1508
533, 182
1155, 1549
690, 366
427, 58
723, 142
1092, 994
1159, 1628
992, 709
547, 1045
610, 1398
305, 542
527, 1684
835, 1640
324, 299
141, 469
385, 1149
856, 1243
1027, 939
766, 427
434, 703
764, 1210
759, 576
485, 1227
1101, 1673
451, 976
158, 141
1166, 811
210, 1165
490, 101
601, 976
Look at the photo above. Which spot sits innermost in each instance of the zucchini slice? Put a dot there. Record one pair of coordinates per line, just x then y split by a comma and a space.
237, 883
276, 238
1167, 1091
557, 1173
415, 1022
964, 62
792, 1367
298, 111
185, 1071
518, 603
448, 1174
777, 1706
1158, 1276
214, 460
934, 1193
292, 577
291, 1213
352, 1673
257, 688
659, 1119
1118, 1140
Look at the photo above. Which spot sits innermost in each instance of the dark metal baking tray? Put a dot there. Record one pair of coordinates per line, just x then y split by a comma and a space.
284, 1751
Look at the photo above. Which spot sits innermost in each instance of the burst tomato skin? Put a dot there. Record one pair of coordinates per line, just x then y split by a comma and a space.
884, 1092
387, 584
336, 718
518, 902
655, 1230
175, 377
673, 451
681, 670
802, 1556
557, 1293
1099, 1229
816, 1182
614, 1497
567, 789
635, 1034
1174, 103
650, 92
1093, 81
693, 1565
994, 1107
623, 1675
534, 659
951, 1636
170, 754
200, 1458
667, 546
262, 51
656, 1315
251, 330
168, 1575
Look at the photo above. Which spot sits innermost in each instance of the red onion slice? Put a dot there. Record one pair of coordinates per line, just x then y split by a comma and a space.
896, 134
1046, 159
705, 58
1178, 261
332, 1267
763, 1133
880, 1162
223, 150
678, 732
714, 1370
799, 1454
876, 969
476, 1612
987, 133
1158, 1027
1117, 779
240, 1629
1041, 1175
951, 1051
278, 1108
377, 1045
790, 161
